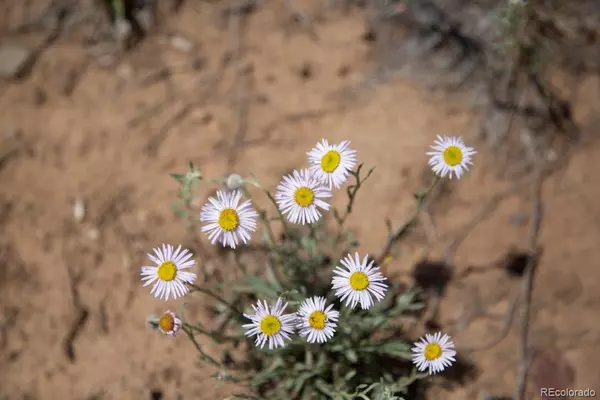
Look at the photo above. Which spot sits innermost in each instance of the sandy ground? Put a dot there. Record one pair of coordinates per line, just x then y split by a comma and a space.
101, 145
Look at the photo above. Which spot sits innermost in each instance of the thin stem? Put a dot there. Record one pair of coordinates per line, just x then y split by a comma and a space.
281, 216
218, 338
270, 236
205, 356
216, 297
255, 182
394, 236
351, 190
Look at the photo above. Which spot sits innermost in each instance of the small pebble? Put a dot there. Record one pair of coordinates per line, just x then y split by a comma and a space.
78, 210
93, 234
122, 31
181, 44
125, 71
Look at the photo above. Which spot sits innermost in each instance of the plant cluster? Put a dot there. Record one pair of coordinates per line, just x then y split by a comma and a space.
319, 327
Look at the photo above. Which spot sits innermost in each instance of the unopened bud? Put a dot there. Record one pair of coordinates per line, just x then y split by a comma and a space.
234, 182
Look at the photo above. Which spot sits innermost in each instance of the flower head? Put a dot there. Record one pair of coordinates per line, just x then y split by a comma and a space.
359, 282
269, 324
315, 322
227, 220
450, 156
331, 163
169, 275
434, 352
169, 323
299, 196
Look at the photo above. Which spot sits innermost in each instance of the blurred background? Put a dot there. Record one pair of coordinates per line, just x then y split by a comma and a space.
101, 100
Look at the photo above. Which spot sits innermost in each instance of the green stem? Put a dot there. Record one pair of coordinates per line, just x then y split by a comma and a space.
255, 182
216, 297
218, 338
119, 8
270, 236
205, 356
351, 190
394, 236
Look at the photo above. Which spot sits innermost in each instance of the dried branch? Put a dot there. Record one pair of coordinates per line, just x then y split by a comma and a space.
528, 284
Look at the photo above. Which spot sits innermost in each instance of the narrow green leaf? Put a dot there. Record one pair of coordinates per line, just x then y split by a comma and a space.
178, 177
300, 381
349, 375
269, 373
351, 356
261, 286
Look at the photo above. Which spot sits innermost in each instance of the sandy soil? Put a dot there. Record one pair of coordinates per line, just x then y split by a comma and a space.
101, 145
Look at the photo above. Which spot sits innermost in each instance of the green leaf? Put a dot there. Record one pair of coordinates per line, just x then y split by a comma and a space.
308, 244
178, 177
338, 347
397, 348
261, 286
369, 173
406, 301
326, 389
309, 359
300, 381
272, 279
307, 393
349, 375
351, 356
269, 373
321, 361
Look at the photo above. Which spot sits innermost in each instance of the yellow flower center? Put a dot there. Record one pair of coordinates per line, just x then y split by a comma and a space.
317, 320
359, 281
304, 196
330, 161
166, 322
167, 271
433, 351
453, 155
270, 325
229, 219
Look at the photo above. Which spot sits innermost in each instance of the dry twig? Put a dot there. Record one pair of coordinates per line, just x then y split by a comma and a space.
242, 99
528, 283
508, 320
80, 317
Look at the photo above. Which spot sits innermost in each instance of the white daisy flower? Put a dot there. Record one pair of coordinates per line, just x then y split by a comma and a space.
434, 352
168, 275
227, 220
299, 196
270, 324
359, 282
332, 163
315, 322
451, 156
169, 323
